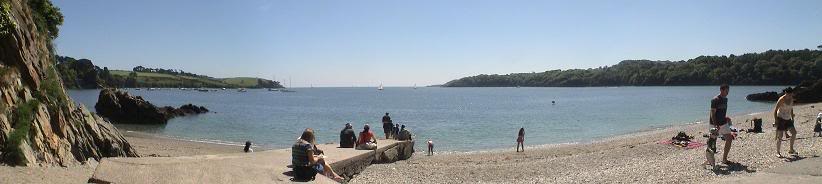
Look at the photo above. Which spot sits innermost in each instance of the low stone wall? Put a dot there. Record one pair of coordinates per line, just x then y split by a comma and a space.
347, 168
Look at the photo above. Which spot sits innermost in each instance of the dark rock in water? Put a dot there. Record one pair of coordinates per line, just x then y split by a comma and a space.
805, 92
120, 107
766, 96
185, 110
809, 92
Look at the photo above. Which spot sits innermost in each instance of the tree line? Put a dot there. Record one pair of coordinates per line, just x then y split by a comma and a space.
772, 67
83, 74
166, 71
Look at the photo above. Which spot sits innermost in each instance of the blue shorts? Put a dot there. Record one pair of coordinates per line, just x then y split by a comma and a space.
319, 168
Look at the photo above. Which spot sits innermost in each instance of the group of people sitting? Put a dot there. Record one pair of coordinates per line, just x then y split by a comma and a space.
307, 160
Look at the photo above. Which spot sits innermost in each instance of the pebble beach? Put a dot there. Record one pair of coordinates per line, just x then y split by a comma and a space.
633, 158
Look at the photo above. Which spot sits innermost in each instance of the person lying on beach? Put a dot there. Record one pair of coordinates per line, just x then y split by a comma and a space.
247, 147
367, 140
521, 139
307, 163
784, 118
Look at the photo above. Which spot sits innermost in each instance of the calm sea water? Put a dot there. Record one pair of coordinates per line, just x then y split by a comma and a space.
457, 119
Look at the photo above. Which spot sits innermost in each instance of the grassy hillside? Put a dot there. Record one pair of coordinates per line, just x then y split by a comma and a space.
149, 79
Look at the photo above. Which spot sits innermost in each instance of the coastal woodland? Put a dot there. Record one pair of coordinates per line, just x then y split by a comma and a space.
83, 74
773, 67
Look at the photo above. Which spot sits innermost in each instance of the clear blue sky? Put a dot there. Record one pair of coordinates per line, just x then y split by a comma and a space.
400, 43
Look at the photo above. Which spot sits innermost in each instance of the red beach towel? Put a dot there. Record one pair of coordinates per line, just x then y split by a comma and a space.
691, 145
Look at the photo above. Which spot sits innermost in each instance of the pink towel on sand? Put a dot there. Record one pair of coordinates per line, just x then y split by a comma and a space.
691, 145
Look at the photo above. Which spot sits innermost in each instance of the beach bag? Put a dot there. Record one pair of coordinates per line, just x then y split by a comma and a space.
756, 123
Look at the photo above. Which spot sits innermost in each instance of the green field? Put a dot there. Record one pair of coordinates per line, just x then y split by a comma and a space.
147, 79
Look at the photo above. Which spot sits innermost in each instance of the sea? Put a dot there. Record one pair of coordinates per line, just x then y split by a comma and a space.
455, 119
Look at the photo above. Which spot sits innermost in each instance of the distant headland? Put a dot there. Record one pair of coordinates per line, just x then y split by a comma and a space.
773, 67
83, 74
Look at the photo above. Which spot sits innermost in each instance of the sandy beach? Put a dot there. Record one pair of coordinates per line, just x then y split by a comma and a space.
633, 158
147, 145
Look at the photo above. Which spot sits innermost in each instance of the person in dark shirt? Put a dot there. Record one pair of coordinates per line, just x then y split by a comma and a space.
347, 136
719, 109
387, 126
404, 134
307, 160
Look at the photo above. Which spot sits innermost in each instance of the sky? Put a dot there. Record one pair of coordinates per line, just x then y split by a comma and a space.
424, 42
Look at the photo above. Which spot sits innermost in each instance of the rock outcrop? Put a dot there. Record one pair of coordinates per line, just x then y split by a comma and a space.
39, 124
764, 97
805, 92
120, 107
185, 110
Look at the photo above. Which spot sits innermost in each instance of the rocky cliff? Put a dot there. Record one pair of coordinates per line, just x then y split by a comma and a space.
39, 124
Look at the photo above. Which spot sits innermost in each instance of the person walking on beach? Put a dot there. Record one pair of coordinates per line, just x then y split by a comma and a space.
347, 136
719, 109
521, 139
308, 161
387, 126
784, 117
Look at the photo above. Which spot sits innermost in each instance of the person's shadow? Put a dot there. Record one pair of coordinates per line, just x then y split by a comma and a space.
732, 167
290, 173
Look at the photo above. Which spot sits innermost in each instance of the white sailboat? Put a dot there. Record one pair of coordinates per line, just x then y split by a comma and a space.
415, 85
380, 88
289, 85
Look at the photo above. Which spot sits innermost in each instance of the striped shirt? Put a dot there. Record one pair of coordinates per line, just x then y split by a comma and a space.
299, 153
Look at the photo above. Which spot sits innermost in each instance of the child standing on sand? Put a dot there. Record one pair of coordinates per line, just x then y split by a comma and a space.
710, 151
430, 147
521, 139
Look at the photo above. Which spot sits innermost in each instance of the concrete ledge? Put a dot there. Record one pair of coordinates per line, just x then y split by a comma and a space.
259, 167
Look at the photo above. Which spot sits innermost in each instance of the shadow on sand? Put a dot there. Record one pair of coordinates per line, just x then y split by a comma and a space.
732, 167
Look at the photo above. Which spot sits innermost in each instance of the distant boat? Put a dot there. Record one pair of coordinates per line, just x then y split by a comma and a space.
273, 89
241, 90
152, 89
202, 90
138, 89
380, 88
415, 86
286, 90
223, 88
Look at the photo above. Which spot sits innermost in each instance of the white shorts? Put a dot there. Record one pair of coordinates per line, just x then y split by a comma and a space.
725, 129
